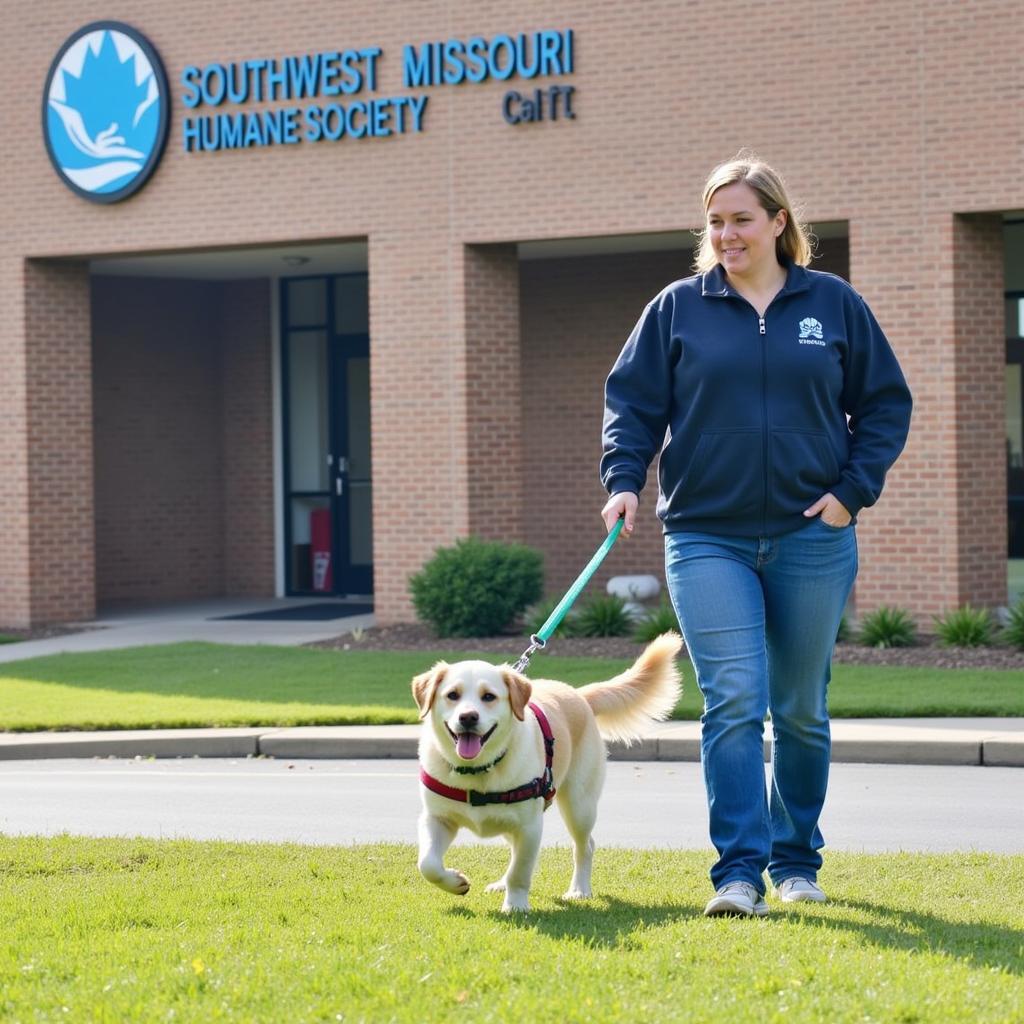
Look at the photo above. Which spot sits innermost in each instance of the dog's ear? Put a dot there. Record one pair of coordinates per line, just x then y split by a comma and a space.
424, 687
519, 691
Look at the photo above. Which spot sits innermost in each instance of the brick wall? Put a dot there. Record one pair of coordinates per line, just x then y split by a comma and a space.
247, 425
184, 439
910, 119
59, 442
489, 392
159, 466
980, 346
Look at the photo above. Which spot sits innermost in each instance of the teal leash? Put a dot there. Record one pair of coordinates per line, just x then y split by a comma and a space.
539, 640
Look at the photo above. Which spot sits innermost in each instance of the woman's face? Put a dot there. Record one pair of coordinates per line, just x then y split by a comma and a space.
741, 232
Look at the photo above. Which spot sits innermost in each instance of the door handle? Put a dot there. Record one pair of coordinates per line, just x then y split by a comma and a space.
339, 486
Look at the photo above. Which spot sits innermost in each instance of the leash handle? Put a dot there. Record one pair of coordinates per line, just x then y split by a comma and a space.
540, 639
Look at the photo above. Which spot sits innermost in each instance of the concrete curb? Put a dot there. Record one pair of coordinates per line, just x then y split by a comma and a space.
996, 742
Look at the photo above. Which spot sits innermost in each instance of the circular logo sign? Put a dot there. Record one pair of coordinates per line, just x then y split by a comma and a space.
105, 111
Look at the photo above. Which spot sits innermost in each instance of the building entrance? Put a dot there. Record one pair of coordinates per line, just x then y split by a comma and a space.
326, 387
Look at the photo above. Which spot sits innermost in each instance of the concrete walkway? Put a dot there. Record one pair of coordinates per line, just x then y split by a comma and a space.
176, 623
941, 741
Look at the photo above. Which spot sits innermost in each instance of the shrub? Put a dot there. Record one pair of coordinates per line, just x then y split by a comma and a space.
657, 621
888, 626
966, 627
476, 588
604, 615
1014, 631
537, 615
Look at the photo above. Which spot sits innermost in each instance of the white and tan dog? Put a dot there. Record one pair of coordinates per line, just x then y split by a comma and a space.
486, 762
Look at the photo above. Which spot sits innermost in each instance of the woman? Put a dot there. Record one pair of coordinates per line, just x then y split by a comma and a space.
784, 407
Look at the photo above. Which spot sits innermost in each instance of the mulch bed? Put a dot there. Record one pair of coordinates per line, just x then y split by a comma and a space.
928, 652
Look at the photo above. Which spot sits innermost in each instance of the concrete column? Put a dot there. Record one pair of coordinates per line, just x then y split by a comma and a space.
57, 393
937, 537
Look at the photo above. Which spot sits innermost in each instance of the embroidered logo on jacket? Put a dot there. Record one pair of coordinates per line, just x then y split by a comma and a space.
811, 332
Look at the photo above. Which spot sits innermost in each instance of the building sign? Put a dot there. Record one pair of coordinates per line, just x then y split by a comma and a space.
106, 103
105, 111
332, 95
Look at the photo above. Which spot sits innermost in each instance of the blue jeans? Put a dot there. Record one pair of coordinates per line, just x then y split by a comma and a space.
759, 616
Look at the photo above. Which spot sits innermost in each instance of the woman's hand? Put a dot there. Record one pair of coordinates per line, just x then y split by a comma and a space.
831, 510
618, 505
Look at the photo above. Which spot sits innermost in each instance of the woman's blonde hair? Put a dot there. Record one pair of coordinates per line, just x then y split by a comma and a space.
792, 246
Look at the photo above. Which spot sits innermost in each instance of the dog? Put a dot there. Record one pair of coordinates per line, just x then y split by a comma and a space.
497, 748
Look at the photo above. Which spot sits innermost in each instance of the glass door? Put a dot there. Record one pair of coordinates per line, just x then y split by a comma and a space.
328, 481
1015, 442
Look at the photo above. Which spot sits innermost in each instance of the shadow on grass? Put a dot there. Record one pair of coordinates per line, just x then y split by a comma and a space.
609, 923
603, 921
977, 944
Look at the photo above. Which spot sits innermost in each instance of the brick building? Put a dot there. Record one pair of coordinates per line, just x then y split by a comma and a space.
364, 302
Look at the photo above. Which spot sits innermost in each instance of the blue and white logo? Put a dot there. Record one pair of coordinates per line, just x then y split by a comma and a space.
811, 332
105, 111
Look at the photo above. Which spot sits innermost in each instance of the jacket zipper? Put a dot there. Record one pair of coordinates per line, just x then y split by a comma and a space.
764, 425
762, 331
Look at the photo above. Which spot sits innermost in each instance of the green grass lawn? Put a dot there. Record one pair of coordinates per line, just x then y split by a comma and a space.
121, 931
196, 684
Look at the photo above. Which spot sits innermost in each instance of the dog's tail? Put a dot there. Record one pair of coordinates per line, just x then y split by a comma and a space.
649, 689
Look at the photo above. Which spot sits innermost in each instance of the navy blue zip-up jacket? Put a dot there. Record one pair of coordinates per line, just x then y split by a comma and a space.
755, 408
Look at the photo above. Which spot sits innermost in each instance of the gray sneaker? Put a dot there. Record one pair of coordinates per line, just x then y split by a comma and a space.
736, 899
800, 890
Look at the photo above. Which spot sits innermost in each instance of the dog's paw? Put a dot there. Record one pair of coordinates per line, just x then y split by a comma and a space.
455, 882
576, 893
519, 904
498, 886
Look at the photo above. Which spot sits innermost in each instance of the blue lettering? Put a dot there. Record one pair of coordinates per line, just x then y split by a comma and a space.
454, 69
277, 80
353, 109
188, 79
210, 72
230, 130
303, 72
238, 93
475, 58
328, 72
523, 69
353, 77
568, 50
436, 54
210, 139
255, 67
371, 53
381, 114
271, 127
253, 135
417, 104
496, 70
415, 67
315, 130
190, 134
334, 113
291, 128
550, 44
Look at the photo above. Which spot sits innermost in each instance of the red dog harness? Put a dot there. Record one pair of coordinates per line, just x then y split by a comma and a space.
539, 787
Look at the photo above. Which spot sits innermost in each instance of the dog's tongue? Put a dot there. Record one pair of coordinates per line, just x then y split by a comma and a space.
468, 745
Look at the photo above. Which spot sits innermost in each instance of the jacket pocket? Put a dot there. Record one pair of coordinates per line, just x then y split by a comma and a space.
725, 476
802, 467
